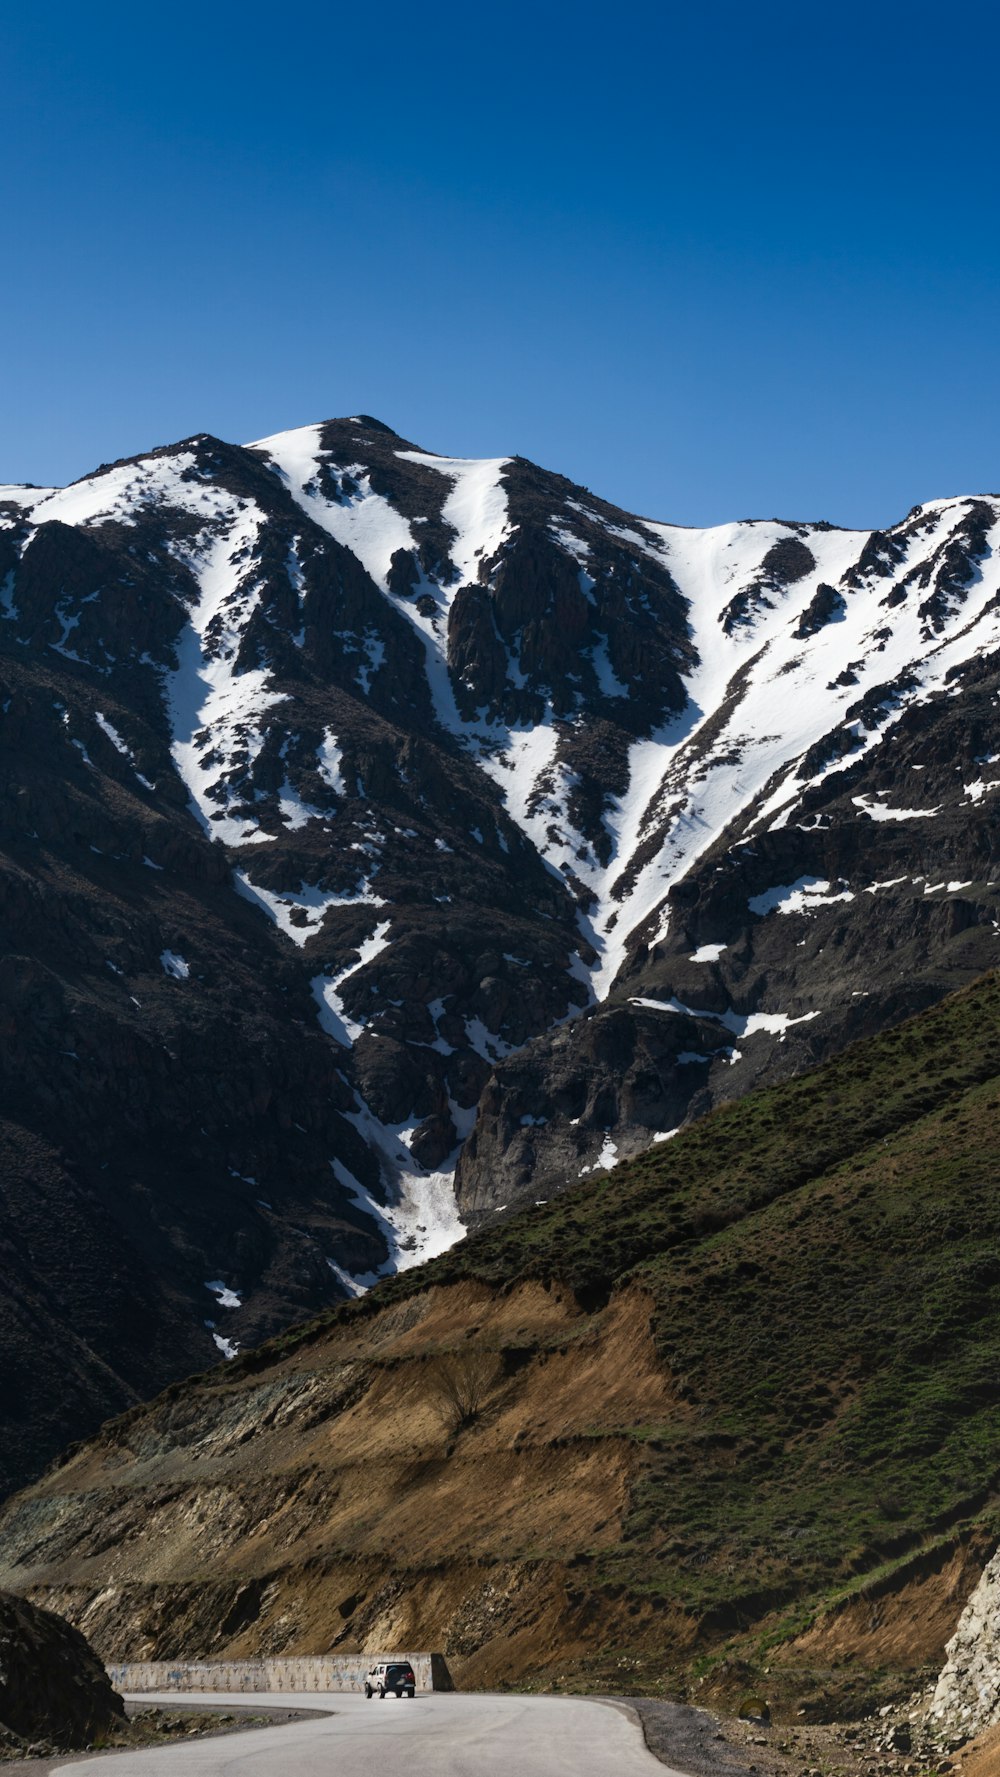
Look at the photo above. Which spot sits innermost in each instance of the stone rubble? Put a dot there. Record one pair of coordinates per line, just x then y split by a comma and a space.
964, 1699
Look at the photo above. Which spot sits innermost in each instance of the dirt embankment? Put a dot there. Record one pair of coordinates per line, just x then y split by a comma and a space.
447, 1471
422, 1477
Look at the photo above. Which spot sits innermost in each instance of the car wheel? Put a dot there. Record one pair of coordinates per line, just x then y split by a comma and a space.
368, 1692
381, 1693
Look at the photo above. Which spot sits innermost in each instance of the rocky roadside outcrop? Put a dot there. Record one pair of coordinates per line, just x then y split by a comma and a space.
54, 1691
962, 1703
966, 1698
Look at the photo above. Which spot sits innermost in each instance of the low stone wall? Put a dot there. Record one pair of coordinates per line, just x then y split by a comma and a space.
341, 1672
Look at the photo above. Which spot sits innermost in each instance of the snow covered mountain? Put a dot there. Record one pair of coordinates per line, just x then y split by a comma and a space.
377, 825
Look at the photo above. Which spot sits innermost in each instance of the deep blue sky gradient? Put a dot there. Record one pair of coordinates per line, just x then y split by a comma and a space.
713, 261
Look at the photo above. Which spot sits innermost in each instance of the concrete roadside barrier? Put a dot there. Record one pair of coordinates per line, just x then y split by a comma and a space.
341, 1672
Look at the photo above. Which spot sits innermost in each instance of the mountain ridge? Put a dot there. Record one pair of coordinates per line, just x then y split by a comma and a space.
549, 828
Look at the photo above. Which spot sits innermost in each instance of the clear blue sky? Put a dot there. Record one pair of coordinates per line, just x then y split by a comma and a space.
711, 260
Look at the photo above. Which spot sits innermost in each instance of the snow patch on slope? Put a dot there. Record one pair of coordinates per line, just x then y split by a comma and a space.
299, 913
742, 1024
326, 990
801, 896
419, 1218
880, 812
330, 762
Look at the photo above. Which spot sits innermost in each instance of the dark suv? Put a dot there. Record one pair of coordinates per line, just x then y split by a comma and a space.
391, 1675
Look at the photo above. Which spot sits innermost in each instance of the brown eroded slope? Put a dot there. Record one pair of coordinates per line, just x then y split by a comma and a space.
334, 1502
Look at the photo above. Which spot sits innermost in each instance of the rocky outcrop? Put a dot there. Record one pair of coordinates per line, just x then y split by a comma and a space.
966, 1698
53, 1688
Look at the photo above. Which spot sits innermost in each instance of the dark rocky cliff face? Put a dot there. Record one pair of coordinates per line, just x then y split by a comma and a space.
374, 824
841, 961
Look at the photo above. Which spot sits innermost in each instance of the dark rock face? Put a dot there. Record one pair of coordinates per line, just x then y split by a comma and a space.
787, 560
357, 804
840, 961
824, 607
53, 1687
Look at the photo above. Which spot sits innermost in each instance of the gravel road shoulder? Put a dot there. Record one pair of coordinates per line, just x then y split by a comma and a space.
151, 1726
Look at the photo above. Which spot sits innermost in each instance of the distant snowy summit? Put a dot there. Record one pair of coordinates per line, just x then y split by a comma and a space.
539, 828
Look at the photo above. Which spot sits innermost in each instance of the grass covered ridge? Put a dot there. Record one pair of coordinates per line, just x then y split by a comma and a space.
822, 1266
824, 1257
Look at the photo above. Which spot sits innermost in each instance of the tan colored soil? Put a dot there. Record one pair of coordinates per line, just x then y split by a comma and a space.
981, 1757
341, 1501
906, 1627
334, 1501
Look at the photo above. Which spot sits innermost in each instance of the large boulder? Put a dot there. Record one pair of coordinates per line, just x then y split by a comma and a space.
52, 1685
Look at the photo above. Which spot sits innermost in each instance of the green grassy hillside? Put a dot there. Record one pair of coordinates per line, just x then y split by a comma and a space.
818, 1272
825, 1262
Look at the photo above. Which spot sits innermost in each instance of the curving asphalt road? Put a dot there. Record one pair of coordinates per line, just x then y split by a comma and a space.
438, 1735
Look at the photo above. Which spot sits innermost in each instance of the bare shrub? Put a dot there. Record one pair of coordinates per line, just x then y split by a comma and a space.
457, 1384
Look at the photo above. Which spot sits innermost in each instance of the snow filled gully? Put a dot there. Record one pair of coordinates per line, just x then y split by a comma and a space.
728, 751
419, 1218
217, 713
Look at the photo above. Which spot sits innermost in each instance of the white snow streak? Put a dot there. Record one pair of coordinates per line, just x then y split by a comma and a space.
741, 1024
879, 811
299, 913
326, 990
217, 709
330, 762
801, 896
226, 1297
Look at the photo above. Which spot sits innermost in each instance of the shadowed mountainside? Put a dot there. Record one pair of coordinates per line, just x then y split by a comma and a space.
387, 839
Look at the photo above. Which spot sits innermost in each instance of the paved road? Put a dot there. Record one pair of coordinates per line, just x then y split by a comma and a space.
439, 1735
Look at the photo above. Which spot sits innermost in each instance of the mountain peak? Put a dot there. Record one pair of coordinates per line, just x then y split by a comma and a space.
372, 425
360, 773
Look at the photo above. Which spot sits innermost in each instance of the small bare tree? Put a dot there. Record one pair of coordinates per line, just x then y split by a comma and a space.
458, 1383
